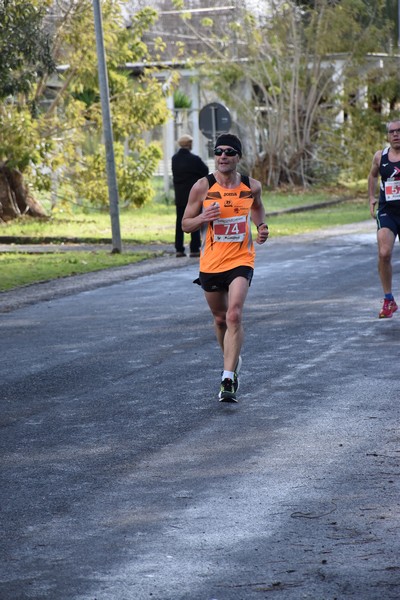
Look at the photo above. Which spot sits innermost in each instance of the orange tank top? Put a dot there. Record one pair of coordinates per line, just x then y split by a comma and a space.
227, 242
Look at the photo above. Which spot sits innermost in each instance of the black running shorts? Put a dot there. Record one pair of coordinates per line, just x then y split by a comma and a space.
218, 282
390, 221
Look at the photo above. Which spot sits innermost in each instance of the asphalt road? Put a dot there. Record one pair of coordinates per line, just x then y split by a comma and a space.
124, 478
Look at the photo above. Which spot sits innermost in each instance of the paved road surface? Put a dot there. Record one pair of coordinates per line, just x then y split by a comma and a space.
123, 478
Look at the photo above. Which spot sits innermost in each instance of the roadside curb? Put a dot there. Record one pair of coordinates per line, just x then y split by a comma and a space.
65, 286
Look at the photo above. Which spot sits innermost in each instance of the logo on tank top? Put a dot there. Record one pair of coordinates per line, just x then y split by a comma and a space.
396, 172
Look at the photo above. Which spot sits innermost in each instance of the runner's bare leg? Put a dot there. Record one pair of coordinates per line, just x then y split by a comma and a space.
227, 309
234, 335
386, 241
218, 303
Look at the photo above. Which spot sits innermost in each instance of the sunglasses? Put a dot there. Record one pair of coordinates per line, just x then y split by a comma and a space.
227, 152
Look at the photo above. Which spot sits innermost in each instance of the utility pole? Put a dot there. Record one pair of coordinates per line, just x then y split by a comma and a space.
107, 130
398, 24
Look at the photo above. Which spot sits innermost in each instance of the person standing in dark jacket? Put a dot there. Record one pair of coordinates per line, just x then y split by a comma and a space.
187, 168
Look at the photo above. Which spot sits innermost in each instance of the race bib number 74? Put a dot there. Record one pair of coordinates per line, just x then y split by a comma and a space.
230, 230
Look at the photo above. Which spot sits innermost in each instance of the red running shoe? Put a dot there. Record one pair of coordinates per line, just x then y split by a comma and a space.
388, 308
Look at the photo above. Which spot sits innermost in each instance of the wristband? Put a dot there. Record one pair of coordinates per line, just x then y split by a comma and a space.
258, 226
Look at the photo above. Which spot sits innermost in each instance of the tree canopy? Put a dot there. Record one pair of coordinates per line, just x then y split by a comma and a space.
51, 122
25, 46
294, 76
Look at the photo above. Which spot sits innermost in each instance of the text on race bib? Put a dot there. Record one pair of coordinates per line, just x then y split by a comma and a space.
230, 230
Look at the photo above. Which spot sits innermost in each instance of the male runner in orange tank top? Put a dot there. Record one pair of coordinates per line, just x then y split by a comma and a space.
222, 205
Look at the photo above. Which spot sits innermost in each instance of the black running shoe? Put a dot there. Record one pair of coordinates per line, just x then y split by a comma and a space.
227, 391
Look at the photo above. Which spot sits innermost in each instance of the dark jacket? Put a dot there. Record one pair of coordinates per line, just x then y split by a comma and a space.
187, 168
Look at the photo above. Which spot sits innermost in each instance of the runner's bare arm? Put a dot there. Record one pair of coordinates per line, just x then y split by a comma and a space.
372, 181
258, 212
194, 216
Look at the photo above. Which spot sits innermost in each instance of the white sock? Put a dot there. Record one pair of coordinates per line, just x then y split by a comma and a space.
227, 375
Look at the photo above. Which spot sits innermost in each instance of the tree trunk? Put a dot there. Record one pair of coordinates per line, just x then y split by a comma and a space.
15, 198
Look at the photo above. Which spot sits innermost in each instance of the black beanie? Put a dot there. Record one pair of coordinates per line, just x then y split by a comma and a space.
228, 139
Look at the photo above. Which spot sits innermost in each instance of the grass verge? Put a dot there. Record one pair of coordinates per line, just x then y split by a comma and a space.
154, 224
18, 269
320, 218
